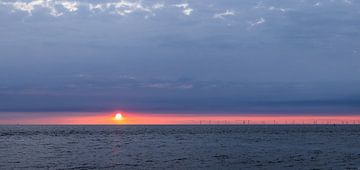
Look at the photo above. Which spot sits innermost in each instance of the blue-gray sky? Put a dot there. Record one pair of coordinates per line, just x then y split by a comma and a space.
231, 56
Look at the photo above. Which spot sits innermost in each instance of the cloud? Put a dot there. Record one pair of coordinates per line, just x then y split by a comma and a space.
29, 7
51, 5
95, 7
186, 8
270, 8
60, 7
182, 95
257, 22
224, 14
127, 7
124, 7
158, 6
131, 62
70, 6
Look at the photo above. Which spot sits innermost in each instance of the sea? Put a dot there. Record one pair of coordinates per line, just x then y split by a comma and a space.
180, 147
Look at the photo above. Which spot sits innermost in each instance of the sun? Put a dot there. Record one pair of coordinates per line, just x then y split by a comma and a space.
118, 116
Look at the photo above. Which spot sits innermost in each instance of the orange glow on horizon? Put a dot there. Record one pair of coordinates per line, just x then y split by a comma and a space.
151, 119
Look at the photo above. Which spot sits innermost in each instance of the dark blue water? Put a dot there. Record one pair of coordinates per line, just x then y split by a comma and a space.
180, 147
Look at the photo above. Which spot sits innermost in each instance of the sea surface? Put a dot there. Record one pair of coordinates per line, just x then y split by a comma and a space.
180, 147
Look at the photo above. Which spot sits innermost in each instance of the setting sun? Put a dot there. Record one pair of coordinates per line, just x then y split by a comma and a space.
118, 116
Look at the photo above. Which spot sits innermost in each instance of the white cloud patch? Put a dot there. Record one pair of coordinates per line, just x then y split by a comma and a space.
158, 6
186, 8
51, 5
272, 8
97, 7
127, 7
28, 7
261, 5
257, 22
148, 9
60, 7
224, 14
70, 6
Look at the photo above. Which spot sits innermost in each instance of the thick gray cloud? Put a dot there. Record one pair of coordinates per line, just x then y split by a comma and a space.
244, 56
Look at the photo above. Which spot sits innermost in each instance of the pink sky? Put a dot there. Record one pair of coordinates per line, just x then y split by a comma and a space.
146, 118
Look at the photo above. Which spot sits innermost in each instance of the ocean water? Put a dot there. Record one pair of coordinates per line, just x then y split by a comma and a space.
180, 147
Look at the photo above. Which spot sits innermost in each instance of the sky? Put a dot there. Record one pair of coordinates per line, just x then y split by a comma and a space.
63, 57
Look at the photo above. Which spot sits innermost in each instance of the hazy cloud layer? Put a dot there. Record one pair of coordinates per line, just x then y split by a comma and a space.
249, 56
